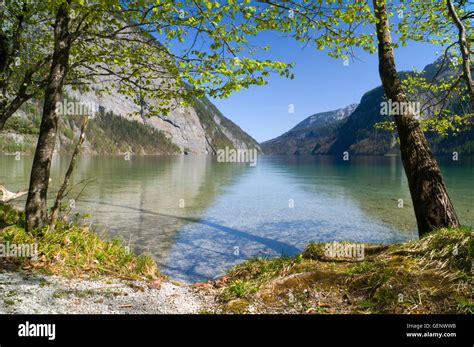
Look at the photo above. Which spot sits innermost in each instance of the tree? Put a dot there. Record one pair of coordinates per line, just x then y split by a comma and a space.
24, 54
464, 48
433, 207
342, 28
111, 44
62, 190
448, 24
36, 205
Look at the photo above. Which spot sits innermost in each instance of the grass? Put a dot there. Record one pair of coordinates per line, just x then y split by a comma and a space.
430, 275
426, 276
73, 250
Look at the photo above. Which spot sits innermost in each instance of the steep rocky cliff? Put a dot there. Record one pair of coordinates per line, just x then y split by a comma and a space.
121, 125
196, 129
117, 128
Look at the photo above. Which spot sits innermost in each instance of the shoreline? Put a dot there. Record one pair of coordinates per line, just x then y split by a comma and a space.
75, 271
28, 293
416, 277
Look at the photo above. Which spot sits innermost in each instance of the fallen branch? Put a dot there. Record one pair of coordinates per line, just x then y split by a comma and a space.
7, 196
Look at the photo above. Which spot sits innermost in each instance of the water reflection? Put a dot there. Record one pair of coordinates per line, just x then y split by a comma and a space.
234, 212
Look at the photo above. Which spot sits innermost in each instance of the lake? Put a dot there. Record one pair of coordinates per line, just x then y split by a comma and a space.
198, 217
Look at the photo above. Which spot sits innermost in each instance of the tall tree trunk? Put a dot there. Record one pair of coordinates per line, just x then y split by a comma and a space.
464, 48
36, 204
433, 207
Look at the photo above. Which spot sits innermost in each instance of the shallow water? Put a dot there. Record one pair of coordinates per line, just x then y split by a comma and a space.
199, 217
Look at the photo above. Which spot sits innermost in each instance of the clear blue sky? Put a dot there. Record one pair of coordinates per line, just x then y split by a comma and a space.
321, 84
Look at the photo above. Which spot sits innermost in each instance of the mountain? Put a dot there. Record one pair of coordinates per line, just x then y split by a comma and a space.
325, 118
120, 125
305, 135
197, 129
357, 134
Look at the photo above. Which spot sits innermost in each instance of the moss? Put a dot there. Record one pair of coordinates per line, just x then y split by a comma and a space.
431, 275
8, 302
9, 215
67, 293
9, 298
465, 305
313, 251
237, 306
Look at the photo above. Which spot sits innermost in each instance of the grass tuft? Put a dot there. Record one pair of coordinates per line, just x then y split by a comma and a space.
73, 250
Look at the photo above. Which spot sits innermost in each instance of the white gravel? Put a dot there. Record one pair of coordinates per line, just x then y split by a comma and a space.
28, 294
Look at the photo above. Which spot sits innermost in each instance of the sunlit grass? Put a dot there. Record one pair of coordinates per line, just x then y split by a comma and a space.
74, 250
430, 275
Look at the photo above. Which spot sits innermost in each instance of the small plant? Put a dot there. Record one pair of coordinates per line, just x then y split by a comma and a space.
240, 289
10, 215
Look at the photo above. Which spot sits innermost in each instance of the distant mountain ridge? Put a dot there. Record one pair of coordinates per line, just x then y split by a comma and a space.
325, 118
356, 132
304, 136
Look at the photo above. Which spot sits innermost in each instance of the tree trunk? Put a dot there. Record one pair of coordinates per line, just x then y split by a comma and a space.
3, 119
36, 204
464, 48
433, 207
67, 177
3, 50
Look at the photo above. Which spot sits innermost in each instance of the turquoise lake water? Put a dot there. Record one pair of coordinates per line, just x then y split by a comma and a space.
198, 217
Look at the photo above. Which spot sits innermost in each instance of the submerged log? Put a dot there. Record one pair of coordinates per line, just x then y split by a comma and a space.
6, 196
